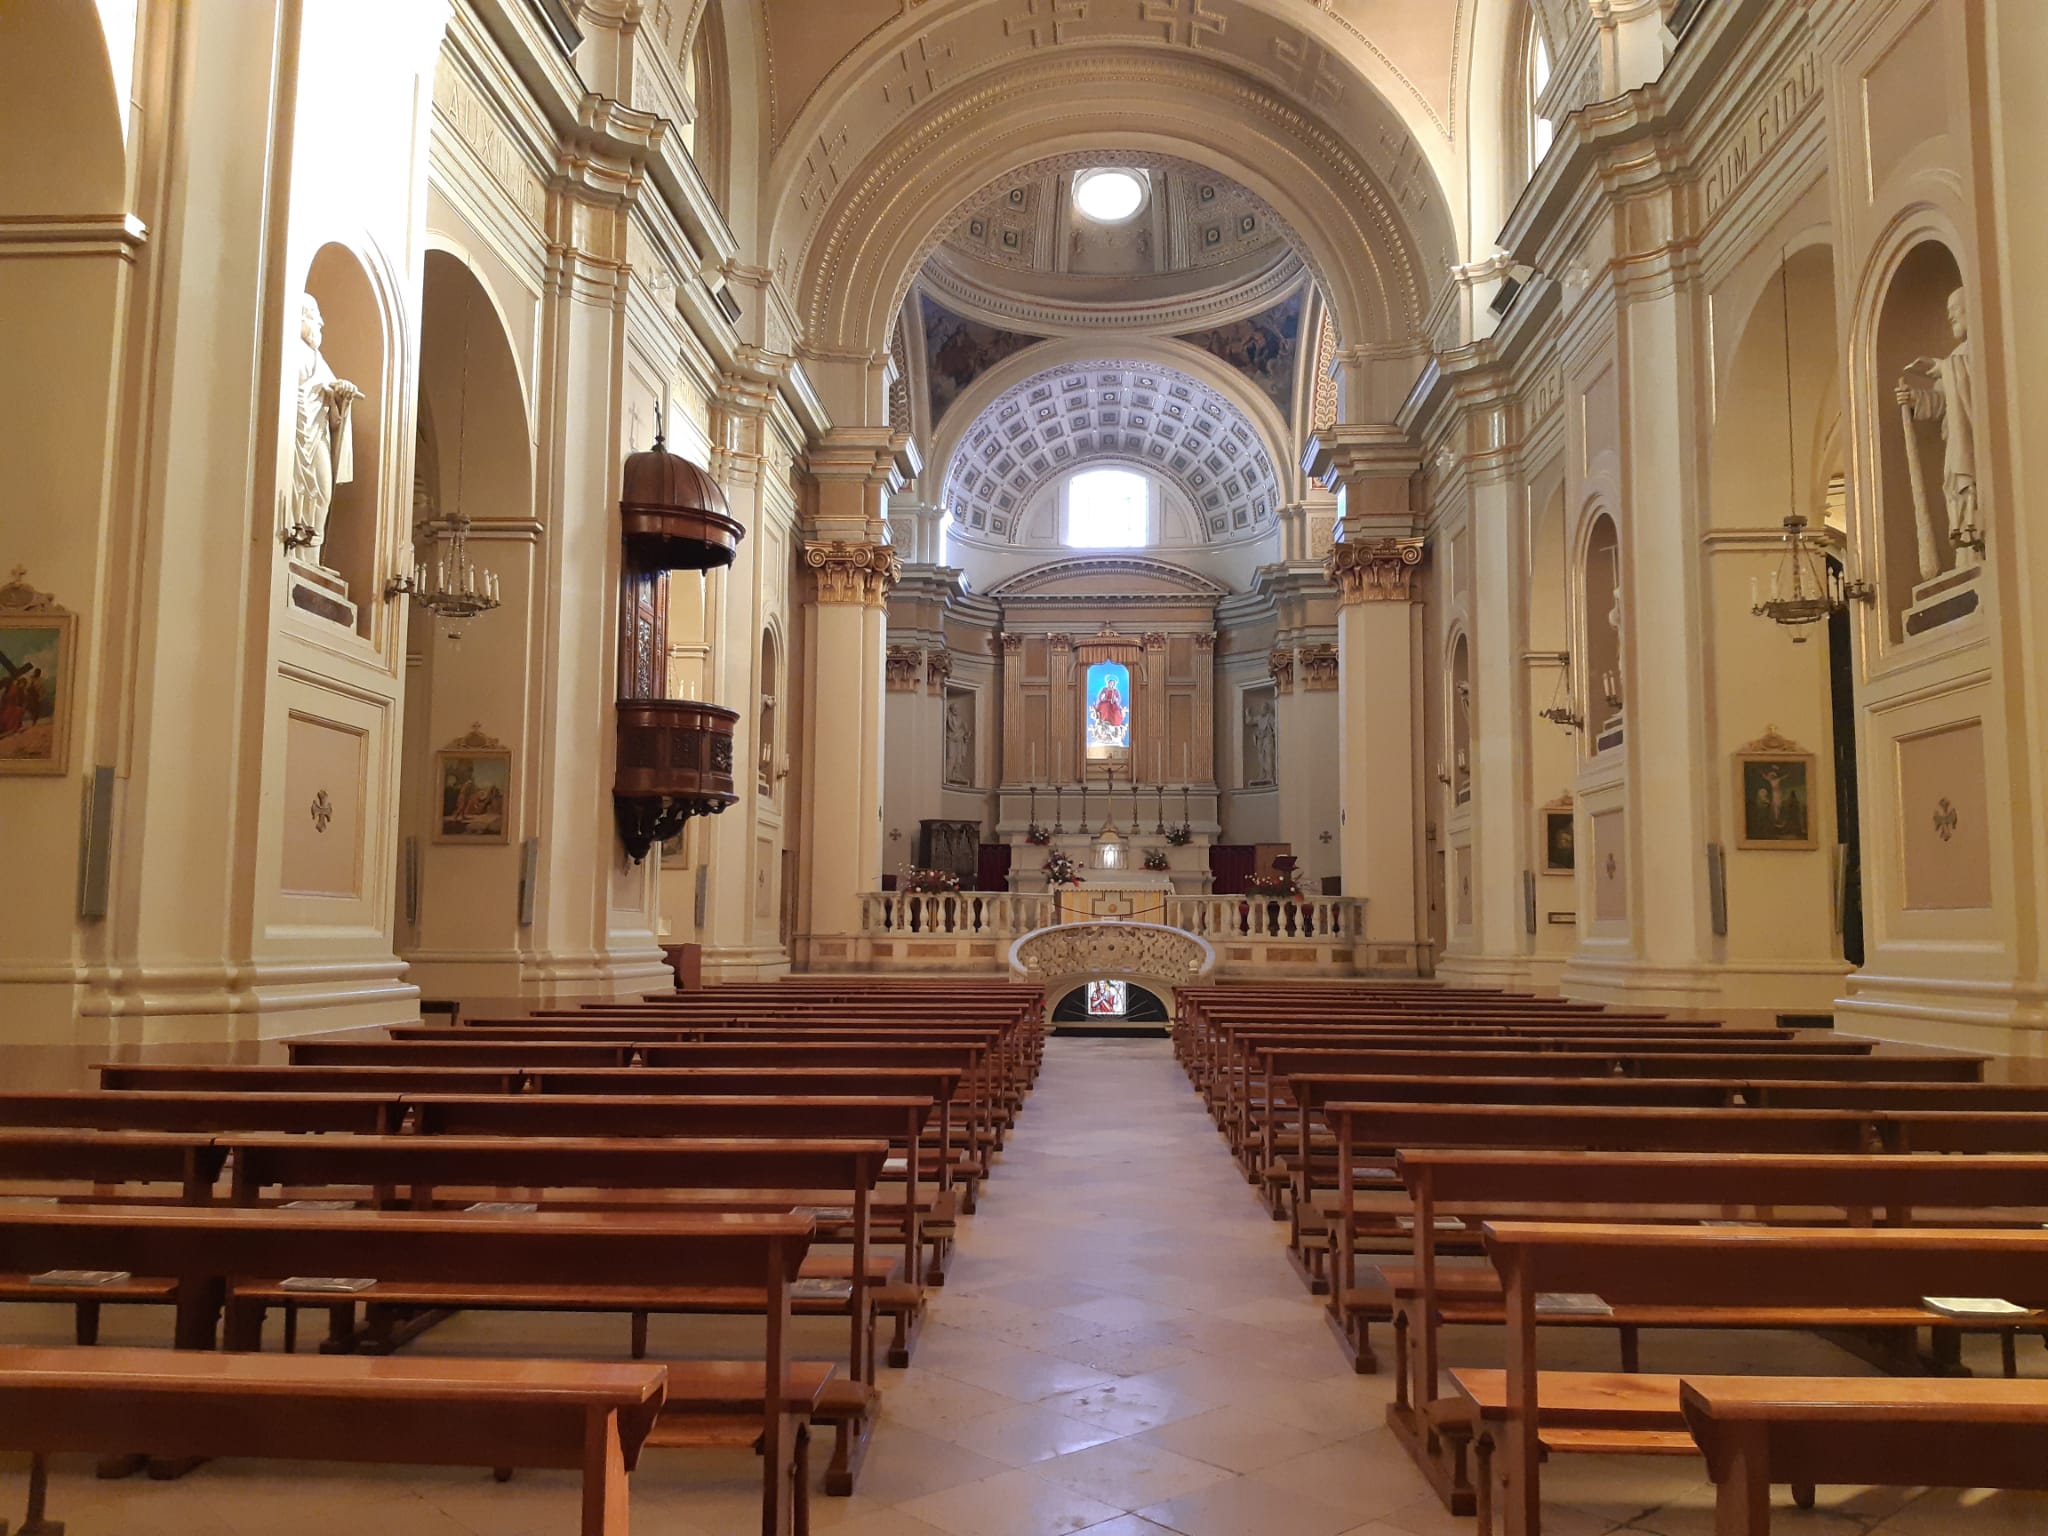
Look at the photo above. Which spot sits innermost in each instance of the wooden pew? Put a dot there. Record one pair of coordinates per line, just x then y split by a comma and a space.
214, 1251
1691, 1266
580, 1416
1378, 1130
1469, 1186
129, 1110
1756, 1431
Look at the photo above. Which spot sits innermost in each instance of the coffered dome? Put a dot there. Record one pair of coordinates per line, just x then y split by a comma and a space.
1164, 231
1154, 417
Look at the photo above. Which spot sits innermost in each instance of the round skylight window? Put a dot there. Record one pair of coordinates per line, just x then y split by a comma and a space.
1109, 196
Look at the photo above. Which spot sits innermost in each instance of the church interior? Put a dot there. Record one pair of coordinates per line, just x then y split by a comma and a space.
1147, 766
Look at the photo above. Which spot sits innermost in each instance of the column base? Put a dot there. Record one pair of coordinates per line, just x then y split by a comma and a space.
1738, 992
2000, 1017
1508, 973
752, 962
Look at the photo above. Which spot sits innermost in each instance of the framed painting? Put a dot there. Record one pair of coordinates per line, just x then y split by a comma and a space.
1560, 854
1774, 795
473, 791
37, 640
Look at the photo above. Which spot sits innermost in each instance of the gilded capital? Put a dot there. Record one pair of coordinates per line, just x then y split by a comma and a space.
1374, 570
1280, 667
853, 573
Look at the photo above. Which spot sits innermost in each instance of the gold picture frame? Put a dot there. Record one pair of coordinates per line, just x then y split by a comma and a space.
38, 647
1774, 806
1560, 838
473, 790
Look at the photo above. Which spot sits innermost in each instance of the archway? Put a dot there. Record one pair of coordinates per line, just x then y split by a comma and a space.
470, 689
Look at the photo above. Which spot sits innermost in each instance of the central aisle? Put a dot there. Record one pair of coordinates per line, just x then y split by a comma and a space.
1121, 1331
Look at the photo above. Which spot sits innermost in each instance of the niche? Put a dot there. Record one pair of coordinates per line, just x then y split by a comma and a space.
1927, 432
1461, 722
354, 346
1600, 645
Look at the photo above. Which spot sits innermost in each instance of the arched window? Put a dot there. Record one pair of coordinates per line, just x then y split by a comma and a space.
1540, 131
1108, 509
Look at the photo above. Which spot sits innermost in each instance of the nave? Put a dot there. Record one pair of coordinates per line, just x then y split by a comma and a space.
1121, 1348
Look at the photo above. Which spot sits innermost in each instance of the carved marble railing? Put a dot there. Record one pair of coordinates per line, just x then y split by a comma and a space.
1314, 919
989, 914
1163, 957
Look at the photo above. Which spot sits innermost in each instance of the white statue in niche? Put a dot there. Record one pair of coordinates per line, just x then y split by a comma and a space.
1259, 732
1939, 389
959, 740
324, 449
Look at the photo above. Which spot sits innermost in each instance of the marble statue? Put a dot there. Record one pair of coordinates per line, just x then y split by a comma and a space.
959, 742
1940, 389
1258, 719
324, 452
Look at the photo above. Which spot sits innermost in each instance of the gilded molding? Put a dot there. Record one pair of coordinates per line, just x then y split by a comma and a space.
848, 572
1280, 667
1374, 570
1318, 667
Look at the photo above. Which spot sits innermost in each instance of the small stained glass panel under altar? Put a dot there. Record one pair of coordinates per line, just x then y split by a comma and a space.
1108, 999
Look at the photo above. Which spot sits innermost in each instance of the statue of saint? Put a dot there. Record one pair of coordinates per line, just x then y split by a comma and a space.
324, 449
1940, 389
1260, 767
959, 742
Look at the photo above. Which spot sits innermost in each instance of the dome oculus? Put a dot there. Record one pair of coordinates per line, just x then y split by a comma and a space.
1108, 196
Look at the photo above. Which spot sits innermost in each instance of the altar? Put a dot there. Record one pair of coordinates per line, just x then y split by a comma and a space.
1137, 895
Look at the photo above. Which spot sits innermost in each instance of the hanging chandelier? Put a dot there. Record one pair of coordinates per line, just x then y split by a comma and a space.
1806, 587
452, 587
444, 580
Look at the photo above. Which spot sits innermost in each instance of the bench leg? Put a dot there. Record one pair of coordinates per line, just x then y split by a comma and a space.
1742, 1492
604, 1476
639, 1335
1482, 1481
1631, 1349
1802, 1495
800, 1479
37, 1523
85, 1323
501, 1474
291, 1327
2009, 1351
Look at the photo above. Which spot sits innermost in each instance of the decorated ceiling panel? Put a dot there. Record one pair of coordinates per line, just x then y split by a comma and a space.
1159, 418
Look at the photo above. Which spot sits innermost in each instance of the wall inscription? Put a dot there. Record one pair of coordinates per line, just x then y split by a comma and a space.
1760, 129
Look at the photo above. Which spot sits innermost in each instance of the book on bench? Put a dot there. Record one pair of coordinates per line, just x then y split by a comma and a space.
318, 1205
503, 1208
1972, 1306
1571, 1304
821, 1289
80, 1277
333, 1283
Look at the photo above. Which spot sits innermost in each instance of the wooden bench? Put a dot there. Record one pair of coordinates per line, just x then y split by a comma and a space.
586, 1417
1467, 1186
214, 1252
1756, 1431
1749, 1267
1377, 1130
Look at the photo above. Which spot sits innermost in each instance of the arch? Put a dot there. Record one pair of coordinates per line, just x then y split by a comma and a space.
770, 688
469, 374
1034, 424
1458, 721
857, 253
1600, 626
1067, 955
711, 85
57, 67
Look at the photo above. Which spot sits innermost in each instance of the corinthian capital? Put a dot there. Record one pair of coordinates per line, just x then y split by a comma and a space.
853, 573
1374, 570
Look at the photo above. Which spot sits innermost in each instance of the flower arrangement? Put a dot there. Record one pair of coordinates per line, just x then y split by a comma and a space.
1181, 835
1155, 858
927, 882
1037, 835
1061, 870
1276, 885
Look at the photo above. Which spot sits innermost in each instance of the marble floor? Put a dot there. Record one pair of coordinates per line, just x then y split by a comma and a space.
1122, 1349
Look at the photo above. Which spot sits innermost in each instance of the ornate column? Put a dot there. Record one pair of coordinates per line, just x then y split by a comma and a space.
844, 679
1202, 764
1063, 738
1149, 746
1380, 815
1016, 759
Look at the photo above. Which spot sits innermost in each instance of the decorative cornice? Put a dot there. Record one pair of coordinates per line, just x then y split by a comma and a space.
901, 665
1025, 583
475, 739
1375, 570
853, 573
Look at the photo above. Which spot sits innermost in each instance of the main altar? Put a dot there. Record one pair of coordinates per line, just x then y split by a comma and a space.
1136, 895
